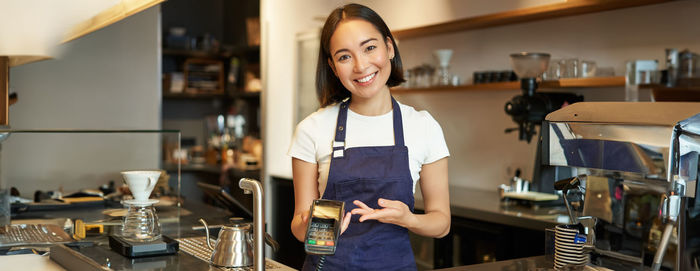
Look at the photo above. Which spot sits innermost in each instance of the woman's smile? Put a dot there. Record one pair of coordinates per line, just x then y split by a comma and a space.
366, 80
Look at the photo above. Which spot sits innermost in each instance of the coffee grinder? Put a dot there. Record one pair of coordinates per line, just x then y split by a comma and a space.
529, 109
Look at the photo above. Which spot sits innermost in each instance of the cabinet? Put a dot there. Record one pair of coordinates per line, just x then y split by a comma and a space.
211, 90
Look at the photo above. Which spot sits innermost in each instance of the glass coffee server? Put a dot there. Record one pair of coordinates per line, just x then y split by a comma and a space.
71, 187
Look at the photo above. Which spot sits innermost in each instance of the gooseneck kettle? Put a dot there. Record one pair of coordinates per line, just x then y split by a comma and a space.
235, 245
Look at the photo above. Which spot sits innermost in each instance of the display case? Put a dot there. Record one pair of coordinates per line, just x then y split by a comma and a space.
72, 178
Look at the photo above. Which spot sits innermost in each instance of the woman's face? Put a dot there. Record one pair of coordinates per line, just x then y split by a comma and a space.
360, 58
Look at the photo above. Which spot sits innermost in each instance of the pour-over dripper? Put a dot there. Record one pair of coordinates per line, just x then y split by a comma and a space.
141, 182
443, 57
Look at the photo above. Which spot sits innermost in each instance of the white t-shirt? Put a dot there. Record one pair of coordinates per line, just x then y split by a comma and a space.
313, 138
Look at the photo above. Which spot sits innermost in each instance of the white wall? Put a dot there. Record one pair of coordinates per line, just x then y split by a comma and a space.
282, 20
482, 156
109, 79
401, 14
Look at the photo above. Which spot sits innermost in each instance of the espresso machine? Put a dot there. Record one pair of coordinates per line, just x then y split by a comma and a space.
638, 170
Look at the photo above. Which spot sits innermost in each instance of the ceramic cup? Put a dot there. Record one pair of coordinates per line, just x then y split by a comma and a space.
141, 182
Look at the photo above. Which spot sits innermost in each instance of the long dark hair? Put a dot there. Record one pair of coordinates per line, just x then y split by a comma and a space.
329, 89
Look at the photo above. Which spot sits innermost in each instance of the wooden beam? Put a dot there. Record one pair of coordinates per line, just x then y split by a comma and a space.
4, 90
21, 60
568, 8
124, 9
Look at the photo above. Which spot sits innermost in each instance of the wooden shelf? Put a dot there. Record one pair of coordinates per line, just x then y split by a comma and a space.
593, 82
192, 53
209, 168
119, 11
245, 95
663, 93
568, 8
226, 53
186, 95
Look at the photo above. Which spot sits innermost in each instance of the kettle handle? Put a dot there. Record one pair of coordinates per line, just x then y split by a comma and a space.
206, 230
268, 239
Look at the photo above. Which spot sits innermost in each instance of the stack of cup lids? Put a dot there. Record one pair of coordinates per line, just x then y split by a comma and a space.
568, 247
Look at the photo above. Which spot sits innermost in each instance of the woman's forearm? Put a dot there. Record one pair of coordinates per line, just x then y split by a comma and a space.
434, 224
298, 227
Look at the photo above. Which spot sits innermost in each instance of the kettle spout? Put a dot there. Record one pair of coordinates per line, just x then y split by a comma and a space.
206, 230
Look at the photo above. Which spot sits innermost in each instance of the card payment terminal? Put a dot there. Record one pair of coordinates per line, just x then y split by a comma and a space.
324, 227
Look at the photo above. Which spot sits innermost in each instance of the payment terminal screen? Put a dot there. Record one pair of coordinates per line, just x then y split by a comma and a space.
327, 212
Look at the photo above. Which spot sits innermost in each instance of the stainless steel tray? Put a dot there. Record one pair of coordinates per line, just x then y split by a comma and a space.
197, 247
32, 234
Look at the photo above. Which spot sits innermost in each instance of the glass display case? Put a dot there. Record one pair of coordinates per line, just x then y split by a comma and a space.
73, 178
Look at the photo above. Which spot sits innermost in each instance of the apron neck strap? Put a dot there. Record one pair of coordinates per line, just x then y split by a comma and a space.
340, 127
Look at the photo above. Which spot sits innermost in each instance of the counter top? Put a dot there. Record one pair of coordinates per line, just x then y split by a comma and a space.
486, 206
540, 263
523, 264
175, 223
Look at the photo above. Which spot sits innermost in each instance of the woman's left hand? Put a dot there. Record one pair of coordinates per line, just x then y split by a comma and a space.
393, 211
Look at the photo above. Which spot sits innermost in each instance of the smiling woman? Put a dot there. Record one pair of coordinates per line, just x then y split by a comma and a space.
354, 149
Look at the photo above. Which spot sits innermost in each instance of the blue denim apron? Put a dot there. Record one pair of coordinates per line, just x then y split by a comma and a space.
367, 174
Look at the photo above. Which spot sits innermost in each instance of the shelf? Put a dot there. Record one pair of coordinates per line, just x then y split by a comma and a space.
192, 53
245, 95
568, 8
208, 168
663, 93
234, 95
109, 16
593, 82
185, 95
209, 54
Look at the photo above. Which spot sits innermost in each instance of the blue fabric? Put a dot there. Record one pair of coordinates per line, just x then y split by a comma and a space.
367, 174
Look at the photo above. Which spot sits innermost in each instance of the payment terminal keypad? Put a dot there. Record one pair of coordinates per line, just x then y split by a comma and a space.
321, 238
321, 232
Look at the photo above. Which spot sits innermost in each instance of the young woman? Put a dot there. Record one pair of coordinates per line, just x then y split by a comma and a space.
366, 149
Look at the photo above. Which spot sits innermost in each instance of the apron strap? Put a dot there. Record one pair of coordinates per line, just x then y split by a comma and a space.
340, 128
398, 124
339, 141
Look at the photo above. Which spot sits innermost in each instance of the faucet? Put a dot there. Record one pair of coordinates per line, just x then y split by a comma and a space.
254, 186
